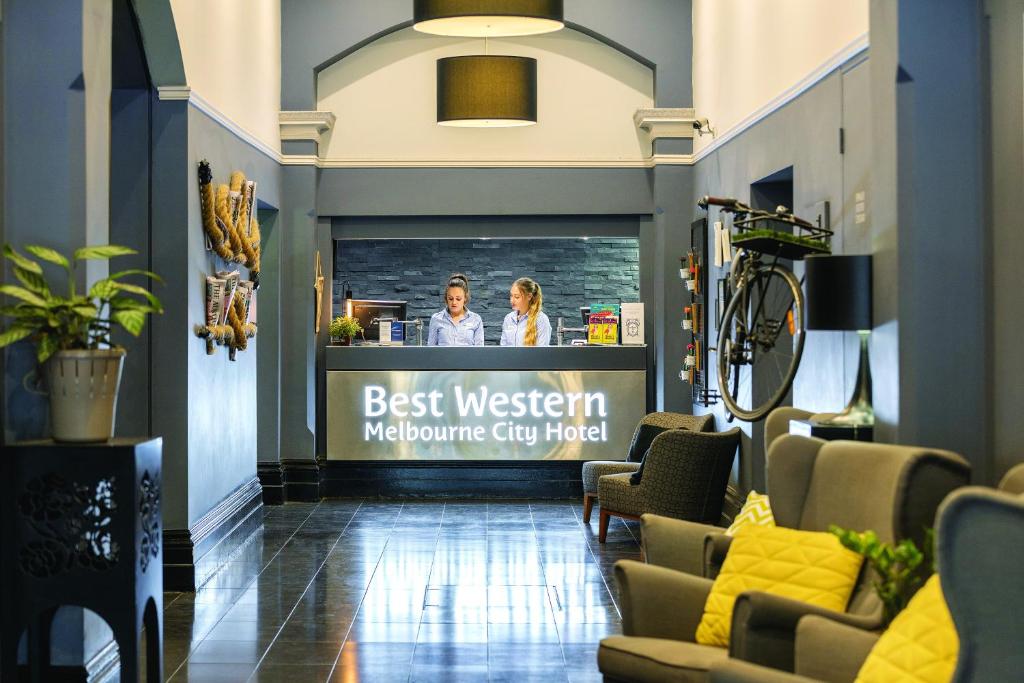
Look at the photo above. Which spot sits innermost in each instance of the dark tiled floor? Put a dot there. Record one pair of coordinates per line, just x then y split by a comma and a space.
347, 591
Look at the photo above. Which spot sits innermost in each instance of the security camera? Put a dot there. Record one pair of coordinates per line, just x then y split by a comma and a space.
702, 126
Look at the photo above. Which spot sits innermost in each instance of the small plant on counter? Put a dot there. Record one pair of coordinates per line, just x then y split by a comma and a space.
76, 321
900, 568
344, 327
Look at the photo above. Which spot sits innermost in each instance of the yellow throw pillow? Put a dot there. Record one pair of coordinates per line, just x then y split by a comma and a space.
809, 566
920, 646
756, 512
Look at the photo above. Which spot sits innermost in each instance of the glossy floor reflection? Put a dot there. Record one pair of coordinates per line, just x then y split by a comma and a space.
348, 591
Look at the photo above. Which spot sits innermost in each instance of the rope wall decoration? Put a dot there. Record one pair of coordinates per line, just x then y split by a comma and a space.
233, 233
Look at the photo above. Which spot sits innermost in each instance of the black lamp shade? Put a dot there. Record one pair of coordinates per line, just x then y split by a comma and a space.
487, 18
838, 292
486, 91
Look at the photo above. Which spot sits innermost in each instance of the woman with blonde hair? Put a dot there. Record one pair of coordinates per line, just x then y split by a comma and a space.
526, 325
456, 325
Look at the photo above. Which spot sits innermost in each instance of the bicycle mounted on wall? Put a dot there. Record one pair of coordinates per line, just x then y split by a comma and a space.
761, 335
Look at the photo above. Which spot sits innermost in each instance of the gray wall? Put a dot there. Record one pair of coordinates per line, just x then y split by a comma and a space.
805, 135
222, 395
314, 34
571, 272
1006, 26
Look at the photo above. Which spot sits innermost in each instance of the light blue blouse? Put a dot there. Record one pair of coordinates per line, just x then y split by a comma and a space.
446, 332
513, 329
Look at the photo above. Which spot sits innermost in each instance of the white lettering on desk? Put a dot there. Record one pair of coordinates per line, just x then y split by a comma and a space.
482, 404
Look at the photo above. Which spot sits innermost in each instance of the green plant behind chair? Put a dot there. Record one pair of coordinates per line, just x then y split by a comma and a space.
900, 568
77, 321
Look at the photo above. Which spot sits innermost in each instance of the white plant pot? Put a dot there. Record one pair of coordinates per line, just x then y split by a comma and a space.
83, 393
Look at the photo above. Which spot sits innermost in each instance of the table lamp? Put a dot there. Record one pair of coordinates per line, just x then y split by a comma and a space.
839, 298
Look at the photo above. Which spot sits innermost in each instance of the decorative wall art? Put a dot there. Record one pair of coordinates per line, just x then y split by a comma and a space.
233, 233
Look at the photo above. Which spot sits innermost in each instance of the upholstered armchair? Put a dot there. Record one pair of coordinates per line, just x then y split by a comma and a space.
979, 542
651, 423
684, 476
894, 490
679, 544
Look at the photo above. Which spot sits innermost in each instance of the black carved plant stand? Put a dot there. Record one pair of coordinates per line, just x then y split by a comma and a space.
81, 526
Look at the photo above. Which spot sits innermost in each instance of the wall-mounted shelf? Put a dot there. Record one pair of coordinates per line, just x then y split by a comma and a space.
694, 273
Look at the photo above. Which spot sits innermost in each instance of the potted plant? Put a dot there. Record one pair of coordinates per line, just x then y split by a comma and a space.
900, 568
72, 334
343, 328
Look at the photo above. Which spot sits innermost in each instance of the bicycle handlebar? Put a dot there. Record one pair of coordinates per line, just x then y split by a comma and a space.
724, 202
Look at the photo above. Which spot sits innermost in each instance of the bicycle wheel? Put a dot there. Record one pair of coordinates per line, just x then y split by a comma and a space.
760, 342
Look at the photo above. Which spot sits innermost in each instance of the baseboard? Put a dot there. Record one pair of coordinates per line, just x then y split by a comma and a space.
192, 555
271, 479
301, 480
452, 479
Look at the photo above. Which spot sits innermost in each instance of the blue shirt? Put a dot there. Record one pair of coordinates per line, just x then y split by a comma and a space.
446, 332
513, 329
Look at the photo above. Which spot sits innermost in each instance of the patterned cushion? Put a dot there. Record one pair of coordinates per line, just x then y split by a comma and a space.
921, 644
809, 566
642, 438
595, 469
756, 511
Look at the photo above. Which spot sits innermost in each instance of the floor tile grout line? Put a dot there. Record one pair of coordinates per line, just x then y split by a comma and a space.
245, 588
290, 613
433, 561
547, 590
604, 580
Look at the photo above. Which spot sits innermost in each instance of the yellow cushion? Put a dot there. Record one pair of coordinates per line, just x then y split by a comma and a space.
920, 646
809, 566
756, 511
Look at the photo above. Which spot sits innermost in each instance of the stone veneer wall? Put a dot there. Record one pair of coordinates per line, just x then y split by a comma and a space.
571, 273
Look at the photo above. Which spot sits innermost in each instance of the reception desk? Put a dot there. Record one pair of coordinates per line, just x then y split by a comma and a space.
411, 404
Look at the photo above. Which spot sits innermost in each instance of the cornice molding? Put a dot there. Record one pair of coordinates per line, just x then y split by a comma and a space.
174, 92
650, 162
666, 122
305, 125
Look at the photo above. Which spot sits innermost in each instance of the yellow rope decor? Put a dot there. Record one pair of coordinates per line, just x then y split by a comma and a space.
218, 238
230, 223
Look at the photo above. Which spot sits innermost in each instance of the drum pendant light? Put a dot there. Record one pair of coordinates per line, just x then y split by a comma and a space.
486, 91
487, 18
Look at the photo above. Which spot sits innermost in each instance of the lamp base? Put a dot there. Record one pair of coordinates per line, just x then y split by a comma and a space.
858, 412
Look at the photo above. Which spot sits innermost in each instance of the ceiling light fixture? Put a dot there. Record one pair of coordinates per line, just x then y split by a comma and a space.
488, 18
486, 91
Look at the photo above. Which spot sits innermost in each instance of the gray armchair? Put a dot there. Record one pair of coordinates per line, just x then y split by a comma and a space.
595, 469
894, 490
684, 476
979, 542
679, 544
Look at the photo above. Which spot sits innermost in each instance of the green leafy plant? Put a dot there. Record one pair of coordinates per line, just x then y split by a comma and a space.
900, 568
76, 321
344, 326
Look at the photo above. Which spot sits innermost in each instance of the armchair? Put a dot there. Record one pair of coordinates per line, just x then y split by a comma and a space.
685, 474
595, 469
679, 544
894, 490
979, 534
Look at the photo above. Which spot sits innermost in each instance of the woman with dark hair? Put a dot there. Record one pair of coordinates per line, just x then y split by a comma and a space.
455, 325
526, 325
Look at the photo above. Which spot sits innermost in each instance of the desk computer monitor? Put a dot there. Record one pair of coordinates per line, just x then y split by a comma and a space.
365, 310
